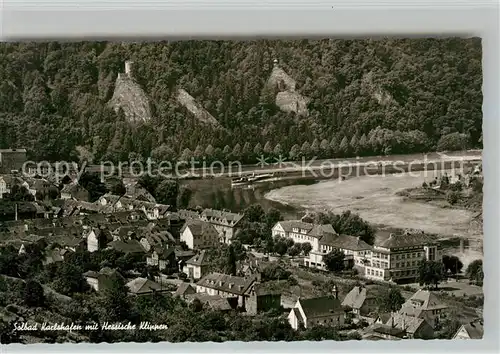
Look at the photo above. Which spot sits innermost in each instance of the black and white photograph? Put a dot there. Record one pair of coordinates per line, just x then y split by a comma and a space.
241, 190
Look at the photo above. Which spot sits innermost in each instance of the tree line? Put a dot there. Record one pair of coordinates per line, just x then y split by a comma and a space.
366, 97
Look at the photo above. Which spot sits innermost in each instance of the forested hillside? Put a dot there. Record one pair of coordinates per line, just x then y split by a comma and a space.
365, 97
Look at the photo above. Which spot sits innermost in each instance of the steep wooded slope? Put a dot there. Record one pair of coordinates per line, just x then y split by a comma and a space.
413, 90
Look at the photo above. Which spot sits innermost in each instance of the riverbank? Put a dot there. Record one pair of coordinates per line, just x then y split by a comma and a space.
467, 200
375, 199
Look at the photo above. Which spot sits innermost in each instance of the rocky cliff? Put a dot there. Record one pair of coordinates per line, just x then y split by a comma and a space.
190, 103
287, 98
131, 98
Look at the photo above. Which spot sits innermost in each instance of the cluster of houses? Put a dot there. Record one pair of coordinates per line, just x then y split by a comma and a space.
180, 242
396, 258
418, 318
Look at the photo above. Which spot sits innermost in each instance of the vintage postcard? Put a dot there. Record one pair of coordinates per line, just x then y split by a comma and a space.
260, 190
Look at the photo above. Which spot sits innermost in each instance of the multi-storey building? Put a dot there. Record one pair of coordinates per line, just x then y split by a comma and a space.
199, 234
398, 257
302, 232
226, 223
323, 239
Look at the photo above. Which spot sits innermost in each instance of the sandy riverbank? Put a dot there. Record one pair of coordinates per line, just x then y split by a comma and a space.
374, 198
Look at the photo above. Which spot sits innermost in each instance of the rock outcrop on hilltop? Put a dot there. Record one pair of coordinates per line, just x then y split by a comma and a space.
375, 90
287, 98
130, 97
190, 103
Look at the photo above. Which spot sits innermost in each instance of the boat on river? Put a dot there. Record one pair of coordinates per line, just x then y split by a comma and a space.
256, 178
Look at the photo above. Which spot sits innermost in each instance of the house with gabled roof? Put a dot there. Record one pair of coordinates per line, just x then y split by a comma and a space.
150, 239
142, 286
324, 310
54, 255
102, 279
137, 192
225, 222
226, 286
98, 238
185, 289
425, 304
198, 234
186, 214
471, 330
379, 331
127, 246
122, 203
163, 258
260, 297
323, 239
213, 302
197, 266
414, 327
75, 191
360, 301
301, 232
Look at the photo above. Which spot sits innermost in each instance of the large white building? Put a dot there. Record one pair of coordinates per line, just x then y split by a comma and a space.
225, 222
302, 232
198, 234
398, 257
323, 239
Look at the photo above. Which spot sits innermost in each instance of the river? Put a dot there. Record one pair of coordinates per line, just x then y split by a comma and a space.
373, 197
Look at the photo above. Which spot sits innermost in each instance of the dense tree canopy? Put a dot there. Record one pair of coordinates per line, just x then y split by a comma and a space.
366, 97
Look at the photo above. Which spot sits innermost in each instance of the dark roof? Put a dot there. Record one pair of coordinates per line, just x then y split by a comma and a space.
184, 289
409, 324
142, 286
104, 272
198, 227
215, 302
227, 283
164, 253
179, 253
346, 242
130, 246
200, 259
296, 311
388, 330
9, 208
221, 217
320, 306
407, 239
266, 288
187, 214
